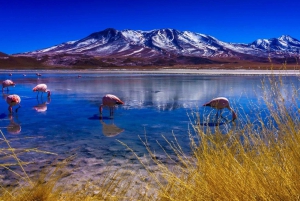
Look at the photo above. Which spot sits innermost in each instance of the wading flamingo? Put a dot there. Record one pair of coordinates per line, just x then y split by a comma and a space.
110, 101
219, 104
13, 100
41, 88
6, 84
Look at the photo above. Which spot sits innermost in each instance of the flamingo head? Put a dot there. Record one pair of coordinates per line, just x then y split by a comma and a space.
49, 93
119, 102
10, 109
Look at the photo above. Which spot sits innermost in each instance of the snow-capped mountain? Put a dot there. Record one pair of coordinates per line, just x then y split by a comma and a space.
284, 43
164, 42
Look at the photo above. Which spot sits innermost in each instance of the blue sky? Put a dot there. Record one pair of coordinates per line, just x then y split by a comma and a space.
36, 24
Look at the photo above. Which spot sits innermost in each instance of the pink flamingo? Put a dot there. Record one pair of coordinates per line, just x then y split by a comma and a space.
13, 100
219, 104
41, 88
7, 83
110, 101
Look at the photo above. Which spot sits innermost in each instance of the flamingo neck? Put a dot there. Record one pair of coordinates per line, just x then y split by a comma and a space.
234, 116
101, 108
10, 109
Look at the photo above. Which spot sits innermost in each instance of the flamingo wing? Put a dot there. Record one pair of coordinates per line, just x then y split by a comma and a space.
40, 87
115, 99
13, 99
218, 103
7, 83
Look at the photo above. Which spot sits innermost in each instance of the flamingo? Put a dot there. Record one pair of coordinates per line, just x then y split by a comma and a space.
41, 88
219, 104
110, 101
13, 100
6, 84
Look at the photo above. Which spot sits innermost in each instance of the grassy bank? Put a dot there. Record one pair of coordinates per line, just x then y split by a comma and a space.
252, 161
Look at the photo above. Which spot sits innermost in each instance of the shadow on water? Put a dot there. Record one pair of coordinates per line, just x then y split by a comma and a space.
212, 124
97, 117
2, 116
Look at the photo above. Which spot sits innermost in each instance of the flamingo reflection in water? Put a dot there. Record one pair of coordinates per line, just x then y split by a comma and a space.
110, 130
110, 101
13, 127
219, 104
4, 96
42, 106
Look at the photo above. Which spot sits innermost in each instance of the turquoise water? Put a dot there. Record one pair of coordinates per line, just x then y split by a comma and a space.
155, 106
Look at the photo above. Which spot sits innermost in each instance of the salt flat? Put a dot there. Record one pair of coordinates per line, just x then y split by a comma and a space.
167, 71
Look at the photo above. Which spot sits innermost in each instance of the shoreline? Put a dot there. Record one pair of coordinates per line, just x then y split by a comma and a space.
165, 71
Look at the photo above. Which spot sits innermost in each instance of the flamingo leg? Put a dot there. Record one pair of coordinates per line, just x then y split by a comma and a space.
217, 115
111, 111
221, 114
18, 108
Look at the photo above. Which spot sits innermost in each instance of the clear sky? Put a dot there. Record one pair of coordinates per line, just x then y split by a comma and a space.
28, 25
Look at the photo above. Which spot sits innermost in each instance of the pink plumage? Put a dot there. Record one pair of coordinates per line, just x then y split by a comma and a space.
221, 103
110, 101
13, 100
41, 88
7, 83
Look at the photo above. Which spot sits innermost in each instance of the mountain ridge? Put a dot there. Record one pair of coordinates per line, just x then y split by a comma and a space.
158, 42
111, 48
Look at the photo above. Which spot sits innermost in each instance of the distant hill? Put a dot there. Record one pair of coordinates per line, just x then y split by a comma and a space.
3, 54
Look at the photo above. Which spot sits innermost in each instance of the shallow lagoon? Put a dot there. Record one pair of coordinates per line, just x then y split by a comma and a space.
156, 105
